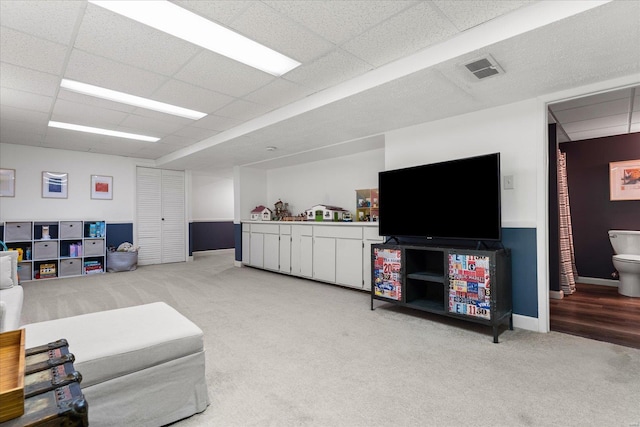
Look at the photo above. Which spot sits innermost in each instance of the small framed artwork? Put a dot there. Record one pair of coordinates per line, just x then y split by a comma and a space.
55, 185
7, 182
624, 180
101, 187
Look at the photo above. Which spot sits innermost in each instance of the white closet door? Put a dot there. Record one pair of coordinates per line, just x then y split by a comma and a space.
160, 216
149, 215
173, 216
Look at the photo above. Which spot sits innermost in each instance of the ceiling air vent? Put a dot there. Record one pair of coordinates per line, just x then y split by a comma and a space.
484, 67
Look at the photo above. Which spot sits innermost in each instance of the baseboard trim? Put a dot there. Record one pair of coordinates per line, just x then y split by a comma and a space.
556, 294
597, 281
526, 322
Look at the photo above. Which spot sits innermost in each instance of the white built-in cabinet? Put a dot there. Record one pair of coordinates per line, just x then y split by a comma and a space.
160, 216
336, 253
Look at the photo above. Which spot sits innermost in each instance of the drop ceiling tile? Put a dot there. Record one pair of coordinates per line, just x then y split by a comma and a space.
242, 110
124, 40
195, 133
216, 123
28, 101
148, 126
186, 95
334, 68
26, 117
593, 111
86, 115
43, 55
20, 136
163, 117
93, 101
606, 122
176, 141
339, 21
99, 71
53, 20
24, 79
597, 133
469, 13
278, 93
266, 26
8, 126
591, 100
635, 127
222, 12
223, 75
401, 35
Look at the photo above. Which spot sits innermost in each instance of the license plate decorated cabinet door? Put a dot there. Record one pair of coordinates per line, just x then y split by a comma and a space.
386, 271
471, 280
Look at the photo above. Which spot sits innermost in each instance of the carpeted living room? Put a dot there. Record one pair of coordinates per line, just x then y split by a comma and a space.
327, 213
285, 351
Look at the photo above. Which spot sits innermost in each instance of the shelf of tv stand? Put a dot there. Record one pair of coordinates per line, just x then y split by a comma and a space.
426, 276
469, 284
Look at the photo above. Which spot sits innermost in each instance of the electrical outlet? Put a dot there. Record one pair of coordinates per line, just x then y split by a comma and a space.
508, 182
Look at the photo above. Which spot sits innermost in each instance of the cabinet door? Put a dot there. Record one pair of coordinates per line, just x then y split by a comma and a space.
306, 256
285, 254
271, 251
257, 250
324, 259
246, 247
349, 262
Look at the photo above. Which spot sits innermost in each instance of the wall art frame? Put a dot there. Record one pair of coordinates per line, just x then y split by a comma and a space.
7, 182
101, 187
55, 185
624, 180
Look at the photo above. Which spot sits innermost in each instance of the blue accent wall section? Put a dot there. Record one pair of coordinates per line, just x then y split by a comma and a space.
237, 235
524, 269
119, 233
211, 235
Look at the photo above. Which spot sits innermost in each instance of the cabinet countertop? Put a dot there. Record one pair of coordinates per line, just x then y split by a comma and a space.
321, 223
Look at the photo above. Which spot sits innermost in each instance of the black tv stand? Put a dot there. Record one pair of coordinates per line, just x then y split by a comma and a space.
474, 285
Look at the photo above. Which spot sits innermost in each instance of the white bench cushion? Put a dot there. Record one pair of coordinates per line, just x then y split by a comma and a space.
113, 343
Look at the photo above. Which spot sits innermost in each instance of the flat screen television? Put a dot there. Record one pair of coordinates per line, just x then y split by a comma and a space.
457, 199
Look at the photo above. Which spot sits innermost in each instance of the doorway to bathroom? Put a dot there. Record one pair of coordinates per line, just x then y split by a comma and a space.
590, 305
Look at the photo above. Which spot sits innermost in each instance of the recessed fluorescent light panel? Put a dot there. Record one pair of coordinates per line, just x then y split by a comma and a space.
126, 98
99, 131
166, 16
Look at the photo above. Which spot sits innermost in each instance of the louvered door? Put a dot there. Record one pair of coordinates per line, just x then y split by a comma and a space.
160, 216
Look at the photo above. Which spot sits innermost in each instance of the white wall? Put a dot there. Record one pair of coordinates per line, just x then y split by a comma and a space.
329, 182
212, 198
28, 204
511, 130
250, 189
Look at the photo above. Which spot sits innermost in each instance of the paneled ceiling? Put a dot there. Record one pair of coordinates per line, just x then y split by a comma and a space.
367, 67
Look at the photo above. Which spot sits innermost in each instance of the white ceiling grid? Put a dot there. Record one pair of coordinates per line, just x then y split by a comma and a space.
338, 42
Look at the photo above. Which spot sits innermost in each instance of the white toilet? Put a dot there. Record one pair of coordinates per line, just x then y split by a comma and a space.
626, 246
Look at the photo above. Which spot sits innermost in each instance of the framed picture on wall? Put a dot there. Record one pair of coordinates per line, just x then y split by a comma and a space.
624, 180
55, 185
101, 187
7, 182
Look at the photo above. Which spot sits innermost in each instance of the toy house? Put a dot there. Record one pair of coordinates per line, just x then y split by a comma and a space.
325, 213
261, 213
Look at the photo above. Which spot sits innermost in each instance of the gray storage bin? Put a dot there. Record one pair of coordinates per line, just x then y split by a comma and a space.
70, 267
71, 230
122, 261
46, 249
93, 247
15, 231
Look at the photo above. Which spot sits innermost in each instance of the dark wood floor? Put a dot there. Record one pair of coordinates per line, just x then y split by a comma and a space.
599, 313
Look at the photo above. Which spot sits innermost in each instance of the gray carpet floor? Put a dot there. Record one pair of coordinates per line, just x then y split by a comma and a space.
283, 351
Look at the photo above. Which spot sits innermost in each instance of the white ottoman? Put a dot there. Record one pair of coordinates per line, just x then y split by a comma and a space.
140, 366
